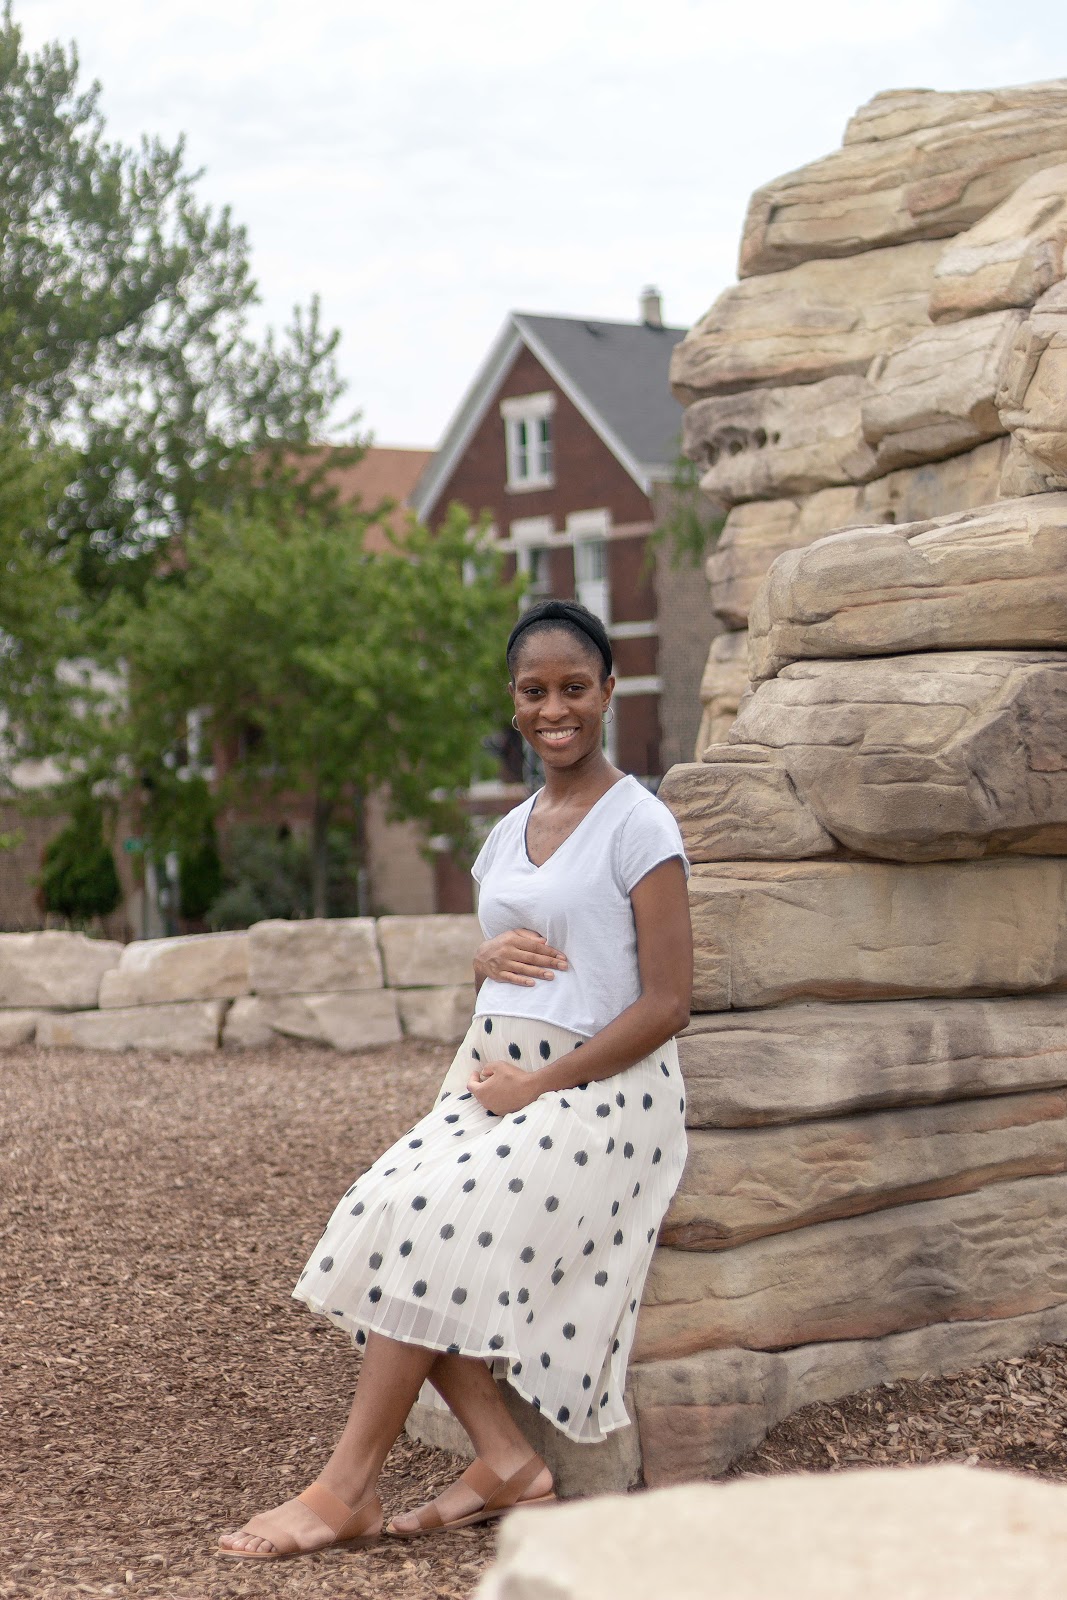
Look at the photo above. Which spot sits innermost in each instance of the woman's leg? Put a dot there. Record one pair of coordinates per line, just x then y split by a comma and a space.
468, 1387
391, 1376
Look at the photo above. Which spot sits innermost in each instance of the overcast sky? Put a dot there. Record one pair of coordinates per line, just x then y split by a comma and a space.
426, 166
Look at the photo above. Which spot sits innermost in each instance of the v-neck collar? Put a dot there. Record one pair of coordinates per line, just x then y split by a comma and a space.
538, 867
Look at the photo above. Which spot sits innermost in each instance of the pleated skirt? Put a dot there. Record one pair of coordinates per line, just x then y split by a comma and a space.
522, 1239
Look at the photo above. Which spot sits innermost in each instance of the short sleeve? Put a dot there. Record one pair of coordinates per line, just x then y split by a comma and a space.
648, 836
483, 859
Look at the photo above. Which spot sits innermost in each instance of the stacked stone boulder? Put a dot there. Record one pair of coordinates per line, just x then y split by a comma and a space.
350, 983
877, 1067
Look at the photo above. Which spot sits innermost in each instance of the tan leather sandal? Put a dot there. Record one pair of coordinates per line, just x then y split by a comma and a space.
349, 1526
497, 1495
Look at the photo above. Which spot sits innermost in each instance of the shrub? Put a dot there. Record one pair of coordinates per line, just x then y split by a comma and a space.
78, 877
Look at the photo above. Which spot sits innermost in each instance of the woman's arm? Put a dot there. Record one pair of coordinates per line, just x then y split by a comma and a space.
665, 961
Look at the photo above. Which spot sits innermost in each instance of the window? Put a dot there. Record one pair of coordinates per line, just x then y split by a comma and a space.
528, 440
591, 576
533, 561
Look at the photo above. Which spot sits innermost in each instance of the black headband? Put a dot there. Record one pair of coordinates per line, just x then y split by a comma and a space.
554, 611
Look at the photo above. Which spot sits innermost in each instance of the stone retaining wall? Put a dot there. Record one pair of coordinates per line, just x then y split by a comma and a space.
347, 982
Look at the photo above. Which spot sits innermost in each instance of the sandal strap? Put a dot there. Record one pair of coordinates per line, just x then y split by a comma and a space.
482, 1479
498, 1494
329, 1508
512, 1491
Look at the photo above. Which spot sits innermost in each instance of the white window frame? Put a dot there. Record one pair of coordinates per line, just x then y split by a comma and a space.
530, 462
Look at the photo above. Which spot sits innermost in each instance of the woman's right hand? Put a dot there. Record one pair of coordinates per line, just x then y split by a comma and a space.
518, 956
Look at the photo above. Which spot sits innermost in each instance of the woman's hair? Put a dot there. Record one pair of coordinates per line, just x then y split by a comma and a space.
553, 616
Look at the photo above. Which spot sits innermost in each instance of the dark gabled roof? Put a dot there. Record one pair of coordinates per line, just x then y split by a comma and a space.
615, 373
622, 369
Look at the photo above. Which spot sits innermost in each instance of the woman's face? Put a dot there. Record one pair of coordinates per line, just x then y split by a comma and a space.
559, 697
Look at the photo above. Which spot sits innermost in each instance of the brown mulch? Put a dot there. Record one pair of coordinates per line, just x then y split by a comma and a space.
158, 1384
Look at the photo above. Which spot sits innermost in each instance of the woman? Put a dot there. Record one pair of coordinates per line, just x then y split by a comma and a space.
512, 1228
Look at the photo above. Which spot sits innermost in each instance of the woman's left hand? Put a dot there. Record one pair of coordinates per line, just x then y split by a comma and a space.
501, 1087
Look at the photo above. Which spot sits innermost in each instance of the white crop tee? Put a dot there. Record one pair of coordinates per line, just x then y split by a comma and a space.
579, 900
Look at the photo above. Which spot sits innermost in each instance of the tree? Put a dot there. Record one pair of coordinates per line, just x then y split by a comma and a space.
324, 668
123, 324
78, 879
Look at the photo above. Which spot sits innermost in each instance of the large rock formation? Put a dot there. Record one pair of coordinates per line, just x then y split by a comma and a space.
877, 1066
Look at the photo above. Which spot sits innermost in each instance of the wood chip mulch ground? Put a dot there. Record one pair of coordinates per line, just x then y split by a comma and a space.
157, 1383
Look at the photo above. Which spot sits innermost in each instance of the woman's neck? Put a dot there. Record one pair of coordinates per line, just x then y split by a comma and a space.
589, 778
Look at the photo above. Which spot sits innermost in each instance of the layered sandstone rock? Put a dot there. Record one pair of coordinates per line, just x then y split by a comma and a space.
767, 932
739, 804
17, 1027
933, 757
722, 687
53, 970
1030, 399
345, 1020
795, 1063
198, 967
993, 578
746, 1183
317, 956
188, 1026
442, 1014
1010, 257
999, 1251
820, 320
915, 165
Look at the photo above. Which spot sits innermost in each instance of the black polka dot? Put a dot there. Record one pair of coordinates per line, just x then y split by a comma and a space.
603, 1110
447, 1231
485, 1239
647, 1102
357, 1209
406, 1248
375, 1260
614, 1208
583, 1087
326, 1263
601, 1279
527, 1254
651, 1231
603, 1399
419, 1289
664, 1069
302, 1276
374, 1295
413, 1144
546, 1359
452, 1350
588, 1247
517, 1120
620, 1099
361, 1337
633, 1305
516, 1367
536, 1403
587, 1382
469, 1185
618, 1236
545, 1143
551, 1203
578, 1046
475, 1055
496, 1341
681, 1104
464, 1157
615, 1348
522, 1296
459, 1132
563, 1414
514, 1052
515, 1185
453, 1116
557, 1276
569, 1330
503, 1150
657, 1156
545, 1049
488, 1024
637, 1190
419, 1203
458, 1296
565, 1104
504, 1298
465, 1096
611, 1145
389, 1172
627, 1149
580, 1158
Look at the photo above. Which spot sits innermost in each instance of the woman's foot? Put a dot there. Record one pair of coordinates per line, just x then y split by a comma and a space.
464, 1499
295, 1528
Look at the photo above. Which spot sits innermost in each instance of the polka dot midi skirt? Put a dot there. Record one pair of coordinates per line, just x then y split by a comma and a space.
523, 1239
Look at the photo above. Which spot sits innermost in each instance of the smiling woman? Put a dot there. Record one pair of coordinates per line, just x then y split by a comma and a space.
508, 1234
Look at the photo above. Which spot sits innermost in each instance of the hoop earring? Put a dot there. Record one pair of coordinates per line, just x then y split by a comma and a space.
609, 715
515, 723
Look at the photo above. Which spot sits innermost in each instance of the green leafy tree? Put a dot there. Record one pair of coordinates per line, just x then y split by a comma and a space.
78, 878
323, 667
123, 323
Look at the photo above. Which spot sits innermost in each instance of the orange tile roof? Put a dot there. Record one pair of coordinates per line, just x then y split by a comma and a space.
385, 472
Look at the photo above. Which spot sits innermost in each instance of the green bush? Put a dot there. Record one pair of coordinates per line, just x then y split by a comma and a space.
200, 876
78, 878
267, 873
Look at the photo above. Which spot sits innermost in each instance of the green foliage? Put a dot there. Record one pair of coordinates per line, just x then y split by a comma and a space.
690, 526
123, 323
78, 879
267, 873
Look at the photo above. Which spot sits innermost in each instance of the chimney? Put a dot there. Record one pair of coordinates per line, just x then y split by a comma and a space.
651, 307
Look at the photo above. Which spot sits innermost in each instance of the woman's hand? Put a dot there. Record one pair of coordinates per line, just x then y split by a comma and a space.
502, 1087
518, 956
